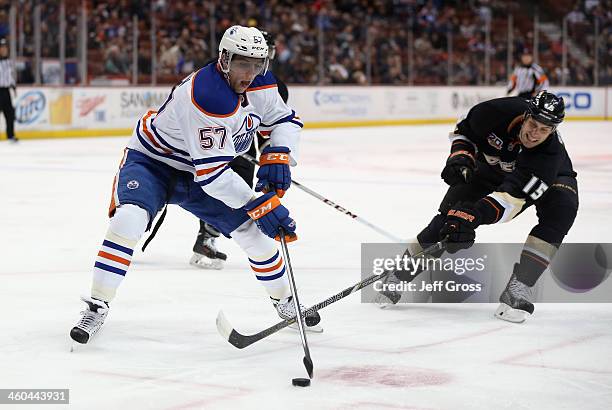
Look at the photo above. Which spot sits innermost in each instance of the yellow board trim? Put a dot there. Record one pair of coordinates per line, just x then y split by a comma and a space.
76, 133
126, 132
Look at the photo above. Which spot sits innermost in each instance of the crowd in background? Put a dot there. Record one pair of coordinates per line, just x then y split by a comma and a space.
581, 22
325, 41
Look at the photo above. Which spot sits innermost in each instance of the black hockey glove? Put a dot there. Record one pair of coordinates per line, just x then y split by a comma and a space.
459, 168
459, 229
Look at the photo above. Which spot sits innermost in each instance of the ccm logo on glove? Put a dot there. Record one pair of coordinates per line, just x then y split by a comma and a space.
274, 158
274, 174
264, 208
270, 216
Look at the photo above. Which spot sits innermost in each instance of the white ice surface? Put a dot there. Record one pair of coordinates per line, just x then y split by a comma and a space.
159, 348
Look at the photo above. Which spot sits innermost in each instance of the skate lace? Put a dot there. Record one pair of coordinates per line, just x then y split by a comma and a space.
287, 310
90, 319
210, 243
391, 278
519, 289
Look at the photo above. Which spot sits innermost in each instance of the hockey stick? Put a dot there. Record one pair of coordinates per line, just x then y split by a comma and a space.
307, 360
241, 341
334, 205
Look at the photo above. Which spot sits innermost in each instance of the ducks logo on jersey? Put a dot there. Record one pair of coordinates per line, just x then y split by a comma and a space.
495, 141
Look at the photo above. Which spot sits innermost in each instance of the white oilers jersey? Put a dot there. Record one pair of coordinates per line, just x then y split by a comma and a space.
204, 124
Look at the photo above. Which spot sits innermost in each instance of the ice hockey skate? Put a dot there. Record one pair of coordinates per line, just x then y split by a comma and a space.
515, 301
286, 310
91, 321
392, 293
205, 252
386, 298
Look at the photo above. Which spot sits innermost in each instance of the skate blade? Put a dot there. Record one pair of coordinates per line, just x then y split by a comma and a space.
386, 306
509, 314
204, 262
385, 302
311, 329
74, 346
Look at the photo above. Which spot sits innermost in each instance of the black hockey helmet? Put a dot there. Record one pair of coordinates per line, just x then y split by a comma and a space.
547, 108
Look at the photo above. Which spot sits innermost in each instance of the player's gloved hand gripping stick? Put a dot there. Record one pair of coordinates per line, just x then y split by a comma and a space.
459, 168
270, 216
274, 174
460, 227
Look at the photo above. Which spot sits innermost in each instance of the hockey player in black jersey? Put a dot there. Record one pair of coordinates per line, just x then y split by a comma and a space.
506, 155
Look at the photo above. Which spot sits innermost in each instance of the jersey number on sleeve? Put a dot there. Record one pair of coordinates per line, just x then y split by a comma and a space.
208, 134
536, 186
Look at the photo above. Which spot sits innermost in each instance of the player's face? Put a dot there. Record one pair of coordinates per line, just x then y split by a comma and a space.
533, 132
243, 71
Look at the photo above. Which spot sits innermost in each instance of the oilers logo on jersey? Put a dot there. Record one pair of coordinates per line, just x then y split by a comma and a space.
245, 134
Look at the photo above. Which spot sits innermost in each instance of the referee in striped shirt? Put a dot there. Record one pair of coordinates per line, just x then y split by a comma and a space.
7, 80
528, 79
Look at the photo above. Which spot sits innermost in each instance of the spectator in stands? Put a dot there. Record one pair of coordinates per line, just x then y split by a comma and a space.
576, 16
353, 29
116, 61
170, 55
4, 24
337, 71
25, 75
392, 73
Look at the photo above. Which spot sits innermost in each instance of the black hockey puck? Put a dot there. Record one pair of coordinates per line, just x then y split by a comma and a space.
299, 381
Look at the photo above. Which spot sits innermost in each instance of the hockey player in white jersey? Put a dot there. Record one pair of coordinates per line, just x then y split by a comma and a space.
206, 255
180, 154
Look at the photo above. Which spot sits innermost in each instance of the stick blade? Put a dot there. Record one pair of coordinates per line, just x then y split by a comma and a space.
223, 326
309, 366
225, 329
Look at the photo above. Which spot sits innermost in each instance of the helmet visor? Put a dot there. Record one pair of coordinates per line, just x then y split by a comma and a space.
245, 65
